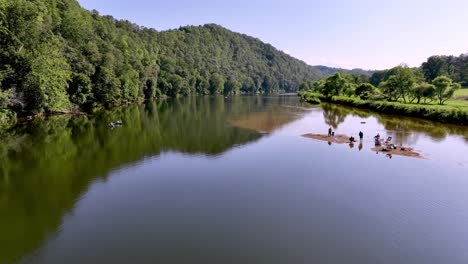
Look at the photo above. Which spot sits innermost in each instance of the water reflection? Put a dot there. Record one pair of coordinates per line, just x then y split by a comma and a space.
46, 165
333, 115
403, 130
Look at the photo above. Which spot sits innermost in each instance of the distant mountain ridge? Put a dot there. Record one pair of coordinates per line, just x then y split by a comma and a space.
331, 70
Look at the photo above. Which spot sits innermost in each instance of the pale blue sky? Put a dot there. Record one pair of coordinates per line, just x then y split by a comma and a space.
358, 33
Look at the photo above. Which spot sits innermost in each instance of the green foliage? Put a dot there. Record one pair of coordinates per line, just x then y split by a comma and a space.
380, 76
365, 90
444, 88
451, 66
48, 79
106, 89
5, 97
310, 97
357, 78
201, 52
216, 84
398, 85
79, 88
425, 91
232, 87
334, 85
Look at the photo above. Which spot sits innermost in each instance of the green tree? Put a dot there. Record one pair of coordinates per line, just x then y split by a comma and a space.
5, 97
79, 88
444, 88
232, 87
365, 90
421, 91
399, 85
47, 83
434, 67
106, 88
216, 84
334, 85
318, 85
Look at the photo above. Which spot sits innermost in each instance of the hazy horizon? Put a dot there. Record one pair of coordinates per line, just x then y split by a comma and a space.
363, 34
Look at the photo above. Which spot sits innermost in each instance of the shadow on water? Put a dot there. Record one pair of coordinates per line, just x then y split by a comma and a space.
46, 165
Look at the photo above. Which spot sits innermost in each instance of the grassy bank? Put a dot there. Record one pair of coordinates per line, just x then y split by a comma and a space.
455, 111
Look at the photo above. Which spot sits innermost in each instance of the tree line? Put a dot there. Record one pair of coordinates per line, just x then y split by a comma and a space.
401, 83
56, 56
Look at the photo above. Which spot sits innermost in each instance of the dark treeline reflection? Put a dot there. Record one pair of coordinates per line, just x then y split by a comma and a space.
46, 165
404, 130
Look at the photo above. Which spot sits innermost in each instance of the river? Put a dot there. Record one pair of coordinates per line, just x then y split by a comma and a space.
231, 180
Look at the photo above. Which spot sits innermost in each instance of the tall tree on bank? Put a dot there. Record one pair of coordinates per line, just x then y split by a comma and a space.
334, 85
397, 86
444, 88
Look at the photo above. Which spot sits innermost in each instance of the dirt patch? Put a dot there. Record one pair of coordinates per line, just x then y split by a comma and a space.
399, 151
337, 139
385, 148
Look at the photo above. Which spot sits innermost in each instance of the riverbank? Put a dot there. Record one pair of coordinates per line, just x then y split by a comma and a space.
454, 114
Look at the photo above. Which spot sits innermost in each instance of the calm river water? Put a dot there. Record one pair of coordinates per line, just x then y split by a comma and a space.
231, 180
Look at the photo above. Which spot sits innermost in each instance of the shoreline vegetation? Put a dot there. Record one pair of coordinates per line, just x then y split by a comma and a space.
442, 114
399, 91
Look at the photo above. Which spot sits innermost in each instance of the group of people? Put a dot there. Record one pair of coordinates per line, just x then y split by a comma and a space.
378, 141
331, 133
361, 136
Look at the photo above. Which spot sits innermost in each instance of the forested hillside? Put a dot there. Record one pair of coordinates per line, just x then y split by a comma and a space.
56, 56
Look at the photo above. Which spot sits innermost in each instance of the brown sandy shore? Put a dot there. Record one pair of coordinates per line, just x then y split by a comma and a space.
344, 139
338, 139
399, 151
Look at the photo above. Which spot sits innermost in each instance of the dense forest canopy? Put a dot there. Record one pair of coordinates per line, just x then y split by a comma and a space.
56, 56
454, 67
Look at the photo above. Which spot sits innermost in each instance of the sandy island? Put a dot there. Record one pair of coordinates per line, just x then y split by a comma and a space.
399, 151
344, 139
337, 139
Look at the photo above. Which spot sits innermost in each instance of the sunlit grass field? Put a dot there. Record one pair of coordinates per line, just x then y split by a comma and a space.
461, 94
